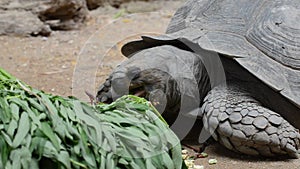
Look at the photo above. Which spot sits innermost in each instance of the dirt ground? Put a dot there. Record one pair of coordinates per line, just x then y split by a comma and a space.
68, 63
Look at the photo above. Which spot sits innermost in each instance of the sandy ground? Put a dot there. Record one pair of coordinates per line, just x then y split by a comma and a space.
68, 63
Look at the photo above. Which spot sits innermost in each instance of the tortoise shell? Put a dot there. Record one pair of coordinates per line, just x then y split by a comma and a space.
262, 36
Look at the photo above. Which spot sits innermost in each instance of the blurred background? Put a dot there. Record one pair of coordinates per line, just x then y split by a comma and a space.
62, 46
65, 47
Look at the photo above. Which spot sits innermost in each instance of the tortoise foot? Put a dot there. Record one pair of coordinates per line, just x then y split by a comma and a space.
242, 124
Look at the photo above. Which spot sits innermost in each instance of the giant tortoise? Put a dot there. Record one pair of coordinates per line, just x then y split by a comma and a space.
235, 64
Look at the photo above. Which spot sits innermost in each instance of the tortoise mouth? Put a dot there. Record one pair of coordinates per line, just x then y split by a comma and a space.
138, 90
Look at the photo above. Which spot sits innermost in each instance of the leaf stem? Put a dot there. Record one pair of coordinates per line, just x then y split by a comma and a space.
158, 114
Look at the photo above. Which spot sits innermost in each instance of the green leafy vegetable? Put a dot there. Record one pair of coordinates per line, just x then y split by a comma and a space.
65, 133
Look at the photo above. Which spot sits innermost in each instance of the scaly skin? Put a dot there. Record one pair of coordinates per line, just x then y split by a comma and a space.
242, 124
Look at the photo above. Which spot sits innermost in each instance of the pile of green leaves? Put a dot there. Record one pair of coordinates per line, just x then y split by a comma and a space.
39, 130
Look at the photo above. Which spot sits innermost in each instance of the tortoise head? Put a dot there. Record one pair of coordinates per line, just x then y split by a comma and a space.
174, 80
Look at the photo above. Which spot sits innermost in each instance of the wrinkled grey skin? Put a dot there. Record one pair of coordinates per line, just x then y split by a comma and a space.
166, 81
248, 109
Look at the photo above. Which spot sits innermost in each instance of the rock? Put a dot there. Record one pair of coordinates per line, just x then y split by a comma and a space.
93, 4
65, 14
22, 23
36, 17
27, 5
117, 3
31, 17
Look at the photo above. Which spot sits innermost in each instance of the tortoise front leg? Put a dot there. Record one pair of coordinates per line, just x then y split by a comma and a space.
242, 124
